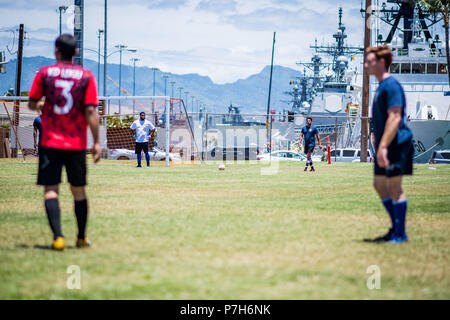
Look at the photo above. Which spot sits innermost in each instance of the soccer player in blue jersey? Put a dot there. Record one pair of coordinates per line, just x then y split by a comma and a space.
392, 140
309, 134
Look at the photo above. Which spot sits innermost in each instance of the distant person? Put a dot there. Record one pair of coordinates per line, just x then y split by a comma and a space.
309, 134
144, 129
70, 106
392, 140
37, 129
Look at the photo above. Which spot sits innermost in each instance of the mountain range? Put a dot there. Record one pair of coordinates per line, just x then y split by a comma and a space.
250, 94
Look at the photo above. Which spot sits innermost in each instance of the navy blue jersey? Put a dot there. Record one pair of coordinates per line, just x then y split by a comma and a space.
309, 135
38, 125
389, 94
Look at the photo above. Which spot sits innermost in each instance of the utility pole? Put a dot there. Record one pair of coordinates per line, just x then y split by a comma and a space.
100, 31
134, 60
61, 10
105, 48
18, 79
366, 84
270, 90
78, 30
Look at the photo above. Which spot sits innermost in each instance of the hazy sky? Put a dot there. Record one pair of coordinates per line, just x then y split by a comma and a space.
223, 39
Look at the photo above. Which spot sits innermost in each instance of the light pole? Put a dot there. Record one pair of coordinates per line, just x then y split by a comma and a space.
154, 72
105, 48
122, 47
61, 10
180, 88
134, 60
165, 84
172, 83
192, 104
100, 31
186, 93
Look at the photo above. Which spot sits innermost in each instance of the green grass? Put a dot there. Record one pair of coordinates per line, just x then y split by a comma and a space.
199, 233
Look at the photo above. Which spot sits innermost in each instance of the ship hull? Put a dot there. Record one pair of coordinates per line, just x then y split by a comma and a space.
429, 135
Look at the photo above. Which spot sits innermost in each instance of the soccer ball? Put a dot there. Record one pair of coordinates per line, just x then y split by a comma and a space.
222, 167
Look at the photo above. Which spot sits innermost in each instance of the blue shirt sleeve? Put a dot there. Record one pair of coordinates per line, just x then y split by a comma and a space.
316, 131
394, 96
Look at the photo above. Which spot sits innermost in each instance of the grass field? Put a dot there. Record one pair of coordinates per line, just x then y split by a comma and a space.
199, 233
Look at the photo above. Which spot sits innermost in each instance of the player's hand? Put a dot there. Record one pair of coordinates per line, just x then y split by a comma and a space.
96, 151
382, 157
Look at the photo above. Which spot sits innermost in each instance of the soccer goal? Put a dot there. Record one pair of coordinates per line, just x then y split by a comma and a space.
173, 143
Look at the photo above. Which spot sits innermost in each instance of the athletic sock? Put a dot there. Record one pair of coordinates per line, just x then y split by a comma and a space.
387, 202
81, 212
399, 209
311, 163
139, 158
54, 217
147, 158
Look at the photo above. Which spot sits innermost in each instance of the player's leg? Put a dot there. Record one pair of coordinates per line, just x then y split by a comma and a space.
310, 159
138, 151
49, 176
75, 162
399, 205
380, 185
307, 158
147, 156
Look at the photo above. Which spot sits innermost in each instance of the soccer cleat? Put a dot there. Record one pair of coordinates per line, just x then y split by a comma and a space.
312, 170
396, 240
306, 169
58, 244
138, 166
148, 167
83, 243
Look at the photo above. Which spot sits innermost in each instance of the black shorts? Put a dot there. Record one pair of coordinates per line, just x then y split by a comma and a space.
309, 149
400, 161
141, 146
51, 162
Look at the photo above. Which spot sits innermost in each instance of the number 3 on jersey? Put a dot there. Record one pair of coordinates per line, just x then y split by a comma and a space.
66, 86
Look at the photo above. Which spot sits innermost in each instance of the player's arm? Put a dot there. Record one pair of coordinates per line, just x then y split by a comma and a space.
36, 94
93, 122
300, 140
318, 139
35, 136
390, 130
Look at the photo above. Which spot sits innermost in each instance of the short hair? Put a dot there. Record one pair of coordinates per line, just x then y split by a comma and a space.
66, 45
382, 52
308, 118
142, 113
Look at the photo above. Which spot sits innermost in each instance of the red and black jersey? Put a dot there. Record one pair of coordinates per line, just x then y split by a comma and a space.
68, 90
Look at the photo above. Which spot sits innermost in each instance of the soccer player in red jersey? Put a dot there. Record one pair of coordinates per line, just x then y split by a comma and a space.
69, 108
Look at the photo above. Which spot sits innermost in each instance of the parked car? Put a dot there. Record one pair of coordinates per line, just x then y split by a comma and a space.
155, 155
282, 155
440, 156
349, 155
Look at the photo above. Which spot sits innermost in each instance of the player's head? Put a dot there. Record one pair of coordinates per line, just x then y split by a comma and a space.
142, 115
308, 121
378, 59
65, 47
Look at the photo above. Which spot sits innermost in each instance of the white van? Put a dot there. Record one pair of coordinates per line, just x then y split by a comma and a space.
349, 155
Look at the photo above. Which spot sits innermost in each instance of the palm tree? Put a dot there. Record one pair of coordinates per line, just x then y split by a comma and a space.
441, 7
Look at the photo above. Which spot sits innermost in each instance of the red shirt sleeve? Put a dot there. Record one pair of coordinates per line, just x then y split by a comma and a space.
37, 89
90, 97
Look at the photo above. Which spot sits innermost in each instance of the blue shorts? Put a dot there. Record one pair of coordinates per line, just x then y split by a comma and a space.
309, 149
400, 161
